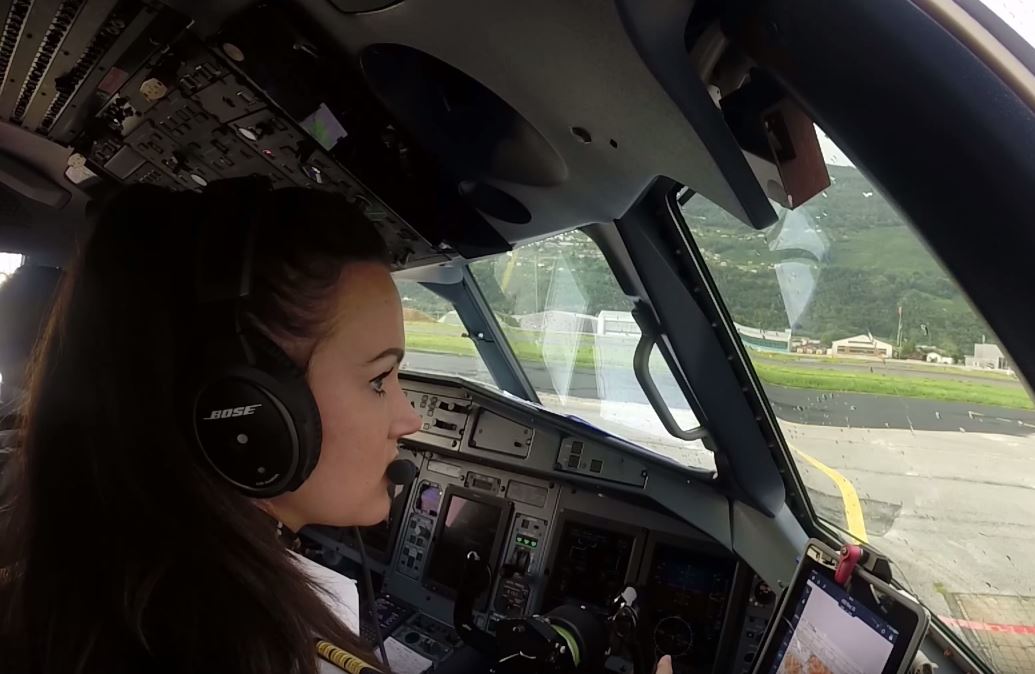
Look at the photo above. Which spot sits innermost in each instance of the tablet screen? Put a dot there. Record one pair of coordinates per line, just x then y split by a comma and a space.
830, 632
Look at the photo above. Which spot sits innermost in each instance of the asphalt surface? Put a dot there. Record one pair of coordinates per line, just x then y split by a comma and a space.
860, 410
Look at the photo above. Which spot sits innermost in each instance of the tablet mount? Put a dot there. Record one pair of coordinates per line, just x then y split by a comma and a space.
852, 556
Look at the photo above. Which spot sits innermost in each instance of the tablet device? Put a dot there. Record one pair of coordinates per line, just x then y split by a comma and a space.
822, 627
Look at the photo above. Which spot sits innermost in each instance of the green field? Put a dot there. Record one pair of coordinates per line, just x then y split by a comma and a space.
775, 369
905, 387
527, 346
913, 365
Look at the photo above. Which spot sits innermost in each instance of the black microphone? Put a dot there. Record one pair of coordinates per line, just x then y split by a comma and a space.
401, 472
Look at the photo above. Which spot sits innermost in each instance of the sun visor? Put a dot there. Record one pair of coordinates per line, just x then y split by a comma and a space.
779, 141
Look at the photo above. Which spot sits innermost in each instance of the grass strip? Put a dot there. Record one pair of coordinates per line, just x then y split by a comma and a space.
434, 338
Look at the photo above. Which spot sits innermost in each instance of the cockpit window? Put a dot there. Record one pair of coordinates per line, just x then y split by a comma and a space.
436, 340
9, 263
908, 425
1017, 14
571, 327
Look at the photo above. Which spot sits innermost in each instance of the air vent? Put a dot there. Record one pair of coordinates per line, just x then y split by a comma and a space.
12, 29
59, 25
67, 84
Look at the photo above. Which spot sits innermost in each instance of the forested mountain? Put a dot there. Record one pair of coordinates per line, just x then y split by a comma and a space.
866, 263
836, 267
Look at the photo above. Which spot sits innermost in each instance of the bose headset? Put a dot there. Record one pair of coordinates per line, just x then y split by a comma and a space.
253, 416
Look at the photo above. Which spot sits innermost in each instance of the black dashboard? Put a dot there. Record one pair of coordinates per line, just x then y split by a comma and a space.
562, 513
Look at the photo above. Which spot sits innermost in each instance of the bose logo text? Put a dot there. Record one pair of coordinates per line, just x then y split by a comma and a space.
232, 412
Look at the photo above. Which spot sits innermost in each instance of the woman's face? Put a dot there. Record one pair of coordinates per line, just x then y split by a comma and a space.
354, 376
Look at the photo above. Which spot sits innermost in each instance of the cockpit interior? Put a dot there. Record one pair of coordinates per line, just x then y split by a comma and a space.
614, 225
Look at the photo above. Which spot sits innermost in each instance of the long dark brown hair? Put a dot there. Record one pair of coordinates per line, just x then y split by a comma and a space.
119, 550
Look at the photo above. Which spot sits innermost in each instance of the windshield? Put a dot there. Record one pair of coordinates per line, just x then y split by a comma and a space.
909, 428
571, 328
436, 339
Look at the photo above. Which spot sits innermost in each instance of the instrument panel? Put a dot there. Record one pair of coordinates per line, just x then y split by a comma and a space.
561, 513
687, 596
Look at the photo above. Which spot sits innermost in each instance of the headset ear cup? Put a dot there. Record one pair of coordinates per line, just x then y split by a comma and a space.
296, 396
245, 432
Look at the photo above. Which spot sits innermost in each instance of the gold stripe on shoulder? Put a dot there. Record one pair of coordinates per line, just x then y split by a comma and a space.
342, 659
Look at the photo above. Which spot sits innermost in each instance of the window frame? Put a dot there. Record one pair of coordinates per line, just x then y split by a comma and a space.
610, 245
485, 332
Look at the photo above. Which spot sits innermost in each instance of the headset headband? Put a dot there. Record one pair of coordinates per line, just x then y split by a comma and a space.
226, 242
252, 414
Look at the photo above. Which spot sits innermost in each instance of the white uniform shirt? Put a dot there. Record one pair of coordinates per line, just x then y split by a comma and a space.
338, 591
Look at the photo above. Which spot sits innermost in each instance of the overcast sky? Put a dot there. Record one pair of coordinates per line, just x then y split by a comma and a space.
9, 262
1019, 14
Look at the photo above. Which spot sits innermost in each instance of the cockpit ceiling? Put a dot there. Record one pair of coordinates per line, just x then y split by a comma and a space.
466, 126
608, 85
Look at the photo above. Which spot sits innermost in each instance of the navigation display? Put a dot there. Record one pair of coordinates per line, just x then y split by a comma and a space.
468, 523
686, 596
830, 632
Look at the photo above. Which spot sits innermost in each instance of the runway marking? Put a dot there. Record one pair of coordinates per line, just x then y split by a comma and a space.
853, 509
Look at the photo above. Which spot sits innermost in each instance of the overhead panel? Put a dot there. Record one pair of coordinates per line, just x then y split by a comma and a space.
43, 27
130, 34
134, 97
73, 46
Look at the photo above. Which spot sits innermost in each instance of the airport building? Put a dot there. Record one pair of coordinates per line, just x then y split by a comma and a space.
765, 340
861, 345
987, 357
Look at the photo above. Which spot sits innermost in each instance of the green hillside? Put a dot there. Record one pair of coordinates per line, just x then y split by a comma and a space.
853, 260
864, 261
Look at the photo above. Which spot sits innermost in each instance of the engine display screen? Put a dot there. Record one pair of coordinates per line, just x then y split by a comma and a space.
467, 524
686, 597
590, 567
